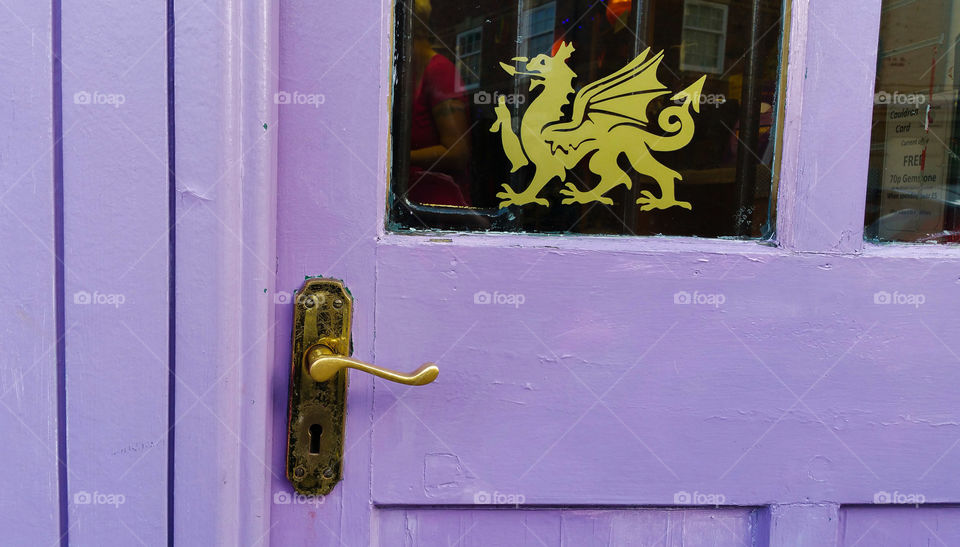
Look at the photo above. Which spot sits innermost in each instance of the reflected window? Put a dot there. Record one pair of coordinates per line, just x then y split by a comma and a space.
704, 36
913, 186
538, 24
468, 58
576, 116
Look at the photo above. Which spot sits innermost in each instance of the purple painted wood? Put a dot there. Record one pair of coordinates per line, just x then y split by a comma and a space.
797, 387
478, 527
28, 358
801, 390
226, 206
116, 256
326, 225
829, 110
804, 524
900, 526
413, 527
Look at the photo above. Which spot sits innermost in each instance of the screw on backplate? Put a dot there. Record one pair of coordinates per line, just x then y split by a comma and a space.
338, 303
310, 302
299, 472
328, 473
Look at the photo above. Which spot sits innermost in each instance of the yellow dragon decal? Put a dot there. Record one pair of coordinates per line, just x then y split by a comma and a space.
609, 118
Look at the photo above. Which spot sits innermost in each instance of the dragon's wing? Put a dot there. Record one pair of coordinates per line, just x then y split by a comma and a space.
620, 97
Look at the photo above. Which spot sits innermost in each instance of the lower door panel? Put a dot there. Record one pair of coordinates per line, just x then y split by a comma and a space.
469, 527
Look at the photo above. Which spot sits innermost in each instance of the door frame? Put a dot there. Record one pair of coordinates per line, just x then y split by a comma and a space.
226, 73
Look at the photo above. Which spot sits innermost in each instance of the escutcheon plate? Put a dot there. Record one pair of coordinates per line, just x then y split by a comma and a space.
322, 315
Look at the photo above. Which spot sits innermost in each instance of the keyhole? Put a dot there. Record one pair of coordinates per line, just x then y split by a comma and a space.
315, 431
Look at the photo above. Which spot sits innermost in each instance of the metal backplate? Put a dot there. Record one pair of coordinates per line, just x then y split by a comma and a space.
322, 315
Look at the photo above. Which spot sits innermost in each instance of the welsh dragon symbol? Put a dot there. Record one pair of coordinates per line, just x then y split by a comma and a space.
609, 118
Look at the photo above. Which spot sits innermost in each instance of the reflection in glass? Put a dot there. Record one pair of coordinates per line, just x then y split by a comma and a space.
467, 70
439, 139
912, 194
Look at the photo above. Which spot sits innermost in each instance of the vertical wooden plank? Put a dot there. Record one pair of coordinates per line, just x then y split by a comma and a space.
260, 43
225, 249
116, 256
899, 526
207, 346
829, 108
331, 175
28, 332
814, 525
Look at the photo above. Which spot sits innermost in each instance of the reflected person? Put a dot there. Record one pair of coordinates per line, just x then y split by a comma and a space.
439, 139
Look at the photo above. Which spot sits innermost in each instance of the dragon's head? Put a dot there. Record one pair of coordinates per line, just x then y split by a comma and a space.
542, 66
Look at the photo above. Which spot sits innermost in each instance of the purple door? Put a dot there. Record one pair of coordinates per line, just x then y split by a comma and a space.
630, 390
170, 174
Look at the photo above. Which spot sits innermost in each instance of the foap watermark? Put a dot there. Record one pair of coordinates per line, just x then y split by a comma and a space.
709, 99
98, 298
698, 498
898, 298
98, 498
485, 97
498, 498
282, 497
284, 297
896, 497
498, 298
698, 298
298, 98
899, 99
96, 98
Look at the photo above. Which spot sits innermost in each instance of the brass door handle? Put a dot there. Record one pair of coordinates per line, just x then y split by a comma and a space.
323, 364
317, 397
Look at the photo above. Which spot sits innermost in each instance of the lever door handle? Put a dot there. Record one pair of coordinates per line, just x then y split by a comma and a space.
322, 365
317, 398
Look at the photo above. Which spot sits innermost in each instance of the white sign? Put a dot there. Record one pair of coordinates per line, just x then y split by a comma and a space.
915, 167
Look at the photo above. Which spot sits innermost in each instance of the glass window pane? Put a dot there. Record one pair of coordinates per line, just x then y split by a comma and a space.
576, 116
701, 50
913, 185
540, 44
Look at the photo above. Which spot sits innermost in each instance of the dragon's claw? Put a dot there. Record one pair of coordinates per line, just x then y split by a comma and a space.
503, 114
649, 202
510, 197
576, 196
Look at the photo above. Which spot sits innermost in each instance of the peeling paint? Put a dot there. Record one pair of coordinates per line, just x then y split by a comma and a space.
443, 475
186, 192
920, 421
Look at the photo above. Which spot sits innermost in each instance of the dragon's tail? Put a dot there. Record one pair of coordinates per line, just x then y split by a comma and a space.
677, 120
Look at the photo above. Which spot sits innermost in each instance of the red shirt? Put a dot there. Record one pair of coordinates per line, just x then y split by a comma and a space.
438, 84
